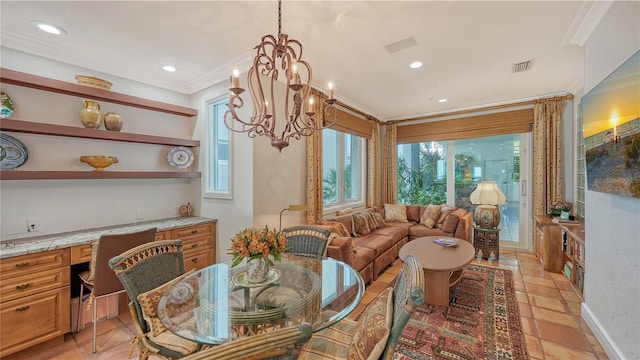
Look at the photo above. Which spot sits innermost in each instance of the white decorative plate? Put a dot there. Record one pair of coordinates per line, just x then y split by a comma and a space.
13, 152
240, 279
180, 157
181, 293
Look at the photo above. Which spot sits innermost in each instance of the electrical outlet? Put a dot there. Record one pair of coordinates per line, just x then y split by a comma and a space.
33, 225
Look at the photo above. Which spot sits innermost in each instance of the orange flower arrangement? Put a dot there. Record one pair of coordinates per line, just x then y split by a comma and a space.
256, 243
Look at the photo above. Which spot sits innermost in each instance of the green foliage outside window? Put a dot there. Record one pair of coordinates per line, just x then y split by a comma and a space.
330, 185
421, 186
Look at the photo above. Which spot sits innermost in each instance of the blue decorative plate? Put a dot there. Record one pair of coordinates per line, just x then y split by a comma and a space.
180, 157
13, 153
7, 106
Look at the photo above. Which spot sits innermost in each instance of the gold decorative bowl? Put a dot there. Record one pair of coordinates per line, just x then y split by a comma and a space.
93, 82
99, 162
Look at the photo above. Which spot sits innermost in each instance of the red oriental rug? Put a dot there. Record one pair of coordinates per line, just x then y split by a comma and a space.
482, 321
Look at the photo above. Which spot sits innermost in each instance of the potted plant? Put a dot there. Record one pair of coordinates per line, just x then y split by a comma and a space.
258, 246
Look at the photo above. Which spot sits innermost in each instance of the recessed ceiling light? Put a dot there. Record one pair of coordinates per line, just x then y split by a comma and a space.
442, 100
416, 64
169, 68
51, 29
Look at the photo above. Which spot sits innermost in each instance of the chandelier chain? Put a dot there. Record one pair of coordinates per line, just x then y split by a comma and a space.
279, 18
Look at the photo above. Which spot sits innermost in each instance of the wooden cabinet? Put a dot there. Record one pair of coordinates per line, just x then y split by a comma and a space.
198, 244
34, 299
36, 82
547, 243
573, 241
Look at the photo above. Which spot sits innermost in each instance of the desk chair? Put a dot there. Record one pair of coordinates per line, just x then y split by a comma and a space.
307, 239
100, 280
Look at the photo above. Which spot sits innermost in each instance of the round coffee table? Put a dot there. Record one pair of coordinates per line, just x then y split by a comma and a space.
442, 265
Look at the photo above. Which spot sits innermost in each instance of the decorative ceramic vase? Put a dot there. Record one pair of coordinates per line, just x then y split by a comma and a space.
90, 115
112, 121
257, 270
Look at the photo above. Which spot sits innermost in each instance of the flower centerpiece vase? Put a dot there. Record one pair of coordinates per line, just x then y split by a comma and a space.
257, 270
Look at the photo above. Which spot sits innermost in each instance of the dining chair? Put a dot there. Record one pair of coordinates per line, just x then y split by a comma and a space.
277, 344
100, 279
147, 271
376, 332
307, 239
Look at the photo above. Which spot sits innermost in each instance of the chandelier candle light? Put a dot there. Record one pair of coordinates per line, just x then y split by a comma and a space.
273, 54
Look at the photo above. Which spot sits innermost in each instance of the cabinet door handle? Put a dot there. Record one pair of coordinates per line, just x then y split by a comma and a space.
194, 232
193, 245
22, 286
22, 309
194, 260
22, 265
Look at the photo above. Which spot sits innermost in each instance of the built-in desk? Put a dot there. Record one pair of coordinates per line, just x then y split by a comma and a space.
35, 275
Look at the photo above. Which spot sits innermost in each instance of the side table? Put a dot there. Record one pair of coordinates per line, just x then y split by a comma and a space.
487, 240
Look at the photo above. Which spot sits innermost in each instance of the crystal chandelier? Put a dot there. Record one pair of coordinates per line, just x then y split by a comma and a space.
273, 54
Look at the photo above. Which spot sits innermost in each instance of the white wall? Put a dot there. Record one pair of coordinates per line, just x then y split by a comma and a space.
612, 279
67, 205
279, 178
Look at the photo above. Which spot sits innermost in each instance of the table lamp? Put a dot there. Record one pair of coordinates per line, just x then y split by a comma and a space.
487, 195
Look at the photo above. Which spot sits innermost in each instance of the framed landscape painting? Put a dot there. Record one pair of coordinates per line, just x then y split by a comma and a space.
611, 118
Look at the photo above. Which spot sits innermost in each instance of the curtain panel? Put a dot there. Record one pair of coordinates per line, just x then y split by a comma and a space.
373, 166
390, 165
314, 164
548, 176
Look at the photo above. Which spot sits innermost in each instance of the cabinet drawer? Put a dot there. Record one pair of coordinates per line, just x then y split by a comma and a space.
21, 286
81, 254
191, 231
197, 259
34, 319
195, 243
163, 235
28, 264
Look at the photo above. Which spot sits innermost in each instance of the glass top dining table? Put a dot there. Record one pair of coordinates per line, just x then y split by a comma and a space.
216, 304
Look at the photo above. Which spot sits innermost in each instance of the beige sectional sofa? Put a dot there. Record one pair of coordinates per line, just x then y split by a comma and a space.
370, 252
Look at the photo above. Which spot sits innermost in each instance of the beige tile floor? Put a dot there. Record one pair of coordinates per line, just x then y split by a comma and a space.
549, 309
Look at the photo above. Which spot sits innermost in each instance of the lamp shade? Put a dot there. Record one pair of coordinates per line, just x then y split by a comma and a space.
487, 193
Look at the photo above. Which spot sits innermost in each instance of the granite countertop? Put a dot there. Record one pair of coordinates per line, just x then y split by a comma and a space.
16, 247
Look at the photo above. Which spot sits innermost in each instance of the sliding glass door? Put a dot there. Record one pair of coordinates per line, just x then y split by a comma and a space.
448, 171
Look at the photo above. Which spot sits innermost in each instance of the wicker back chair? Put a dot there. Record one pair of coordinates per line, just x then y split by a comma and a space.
142, 269
102, 282
307, 239
407, 294
276, 344
336, 342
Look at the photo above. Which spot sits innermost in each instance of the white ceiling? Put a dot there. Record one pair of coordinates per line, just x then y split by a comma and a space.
468, 47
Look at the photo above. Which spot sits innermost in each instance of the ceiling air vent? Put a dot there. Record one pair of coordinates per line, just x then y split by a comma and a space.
522, 66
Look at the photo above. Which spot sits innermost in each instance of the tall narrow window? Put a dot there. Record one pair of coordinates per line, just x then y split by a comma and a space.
343, 167
218, 181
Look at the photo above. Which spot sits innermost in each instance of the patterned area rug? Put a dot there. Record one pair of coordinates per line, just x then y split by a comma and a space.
482, 321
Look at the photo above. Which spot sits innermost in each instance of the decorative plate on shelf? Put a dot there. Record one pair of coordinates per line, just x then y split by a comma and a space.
13, 153
7, 106
239, 279
180, 157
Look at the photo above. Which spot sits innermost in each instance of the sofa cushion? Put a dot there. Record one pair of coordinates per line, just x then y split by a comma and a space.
430, 216
396, 233
413, 213
362, 257
378, 243
395, 212
450, 223
420, 230
347, 221
444, 211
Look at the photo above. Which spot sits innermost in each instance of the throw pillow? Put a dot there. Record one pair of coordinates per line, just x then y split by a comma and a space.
360, 224
395, 212
92, 264
444, 211
370, 220
336, 226
184, 301
379, 219
450, 223
373, 328
344, 211
430, 216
